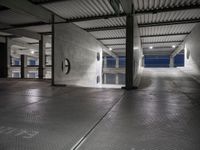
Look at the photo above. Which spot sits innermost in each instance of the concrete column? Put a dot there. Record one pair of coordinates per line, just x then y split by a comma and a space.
105, 66
3, 60
117, 75
105, 62
41, 58
24, 66
129, 51
9, 45
143, 61
171, 63
52, 49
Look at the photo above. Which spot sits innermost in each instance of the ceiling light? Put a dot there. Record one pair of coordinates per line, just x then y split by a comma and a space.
110, 49
32, 52
151, 47
173, 46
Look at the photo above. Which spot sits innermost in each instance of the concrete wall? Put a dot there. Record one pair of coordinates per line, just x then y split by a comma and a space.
192, 52
138, 55
81, 49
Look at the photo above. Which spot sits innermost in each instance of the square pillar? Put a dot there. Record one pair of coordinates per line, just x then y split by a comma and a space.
117, 75
41, 58
171, 63
3, 60
105, 66
129, 51
23, 66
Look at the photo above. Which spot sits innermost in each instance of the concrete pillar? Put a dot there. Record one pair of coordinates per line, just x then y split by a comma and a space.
143, 61
129, 51
171, 63
52, 49
105, 66
117, 75
41, 58
24, 68
3, 60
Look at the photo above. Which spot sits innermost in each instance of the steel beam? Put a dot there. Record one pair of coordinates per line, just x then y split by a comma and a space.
115, 44
162, 42
105, 28
166, 23
160, 35
111, 38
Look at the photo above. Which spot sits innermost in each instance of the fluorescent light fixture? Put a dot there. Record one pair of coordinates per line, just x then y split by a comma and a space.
110, 49
151, 47
173, 46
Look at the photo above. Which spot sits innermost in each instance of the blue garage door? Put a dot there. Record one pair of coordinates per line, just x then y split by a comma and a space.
156, 61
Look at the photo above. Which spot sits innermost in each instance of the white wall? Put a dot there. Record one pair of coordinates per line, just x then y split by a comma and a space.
138, 54
81, 49
192, 52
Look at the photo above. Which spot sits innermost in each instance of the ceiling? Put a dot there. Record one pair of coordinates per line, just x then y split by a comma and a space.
162, 23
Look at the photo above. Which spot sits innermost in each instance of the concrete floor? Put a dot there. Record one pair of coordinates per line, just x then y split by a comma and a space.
163, 114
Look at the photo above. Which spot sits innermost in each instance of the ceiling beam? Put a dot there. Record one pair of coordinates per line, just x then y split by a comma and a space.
96, 17
21, 32
26, 7
165, 23
47, 2
168, 9
111, 38
161, 35
162, 42
115, 44
145, 36
105, 28
40, 23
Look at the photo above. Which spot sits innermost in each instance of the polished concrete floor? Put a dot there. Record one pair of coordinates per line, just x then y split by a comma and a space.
163, 114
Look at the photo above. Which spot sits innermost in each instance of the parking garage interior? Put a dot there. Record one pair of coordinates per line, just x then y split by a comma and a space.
99, 74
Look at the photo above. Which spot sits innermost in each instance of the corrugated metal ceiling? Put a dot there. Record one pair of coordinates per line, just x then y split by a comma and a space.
81, 8
168, 16
74, 9
171, 29
102, 22
10, 17
160, 44
155, 4
114, 41
109, 33
164, 38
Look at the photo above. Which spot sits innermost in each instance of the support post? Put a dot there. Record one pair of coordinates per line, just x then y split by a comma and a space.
171, 63
22, 66
4, 60
53, 48
105, 66
117, 75
41, 58
129, 51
